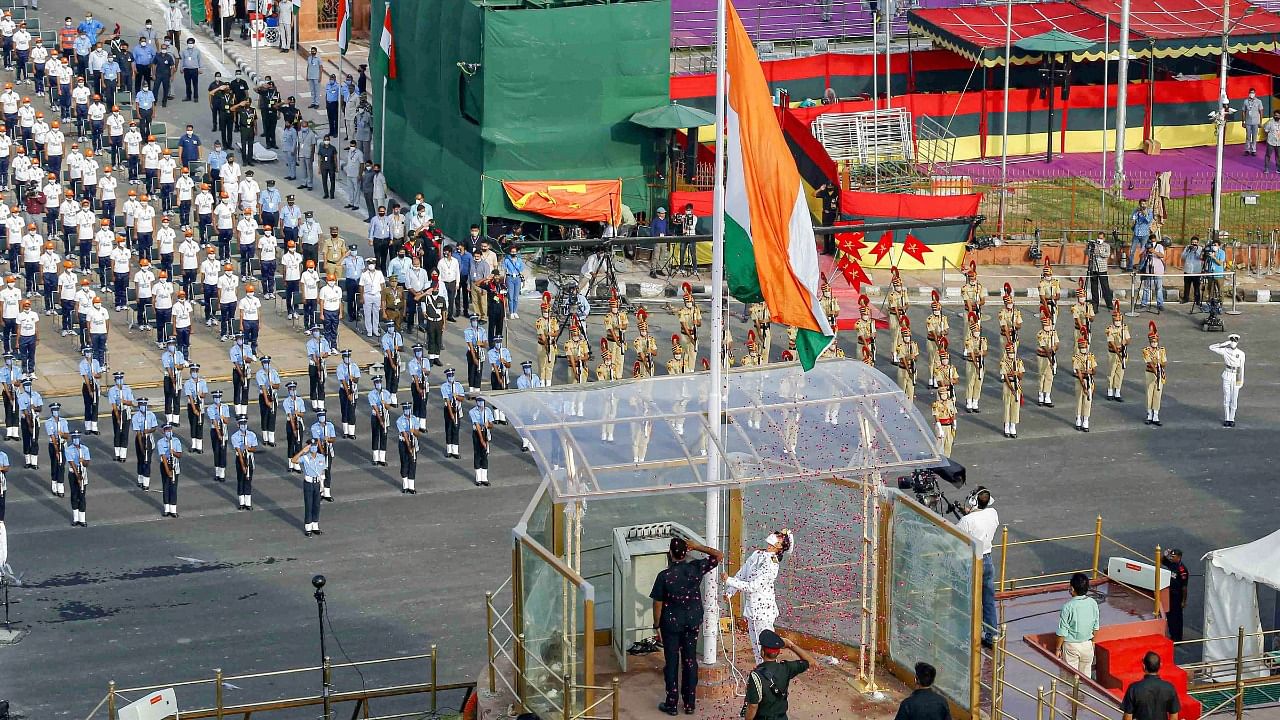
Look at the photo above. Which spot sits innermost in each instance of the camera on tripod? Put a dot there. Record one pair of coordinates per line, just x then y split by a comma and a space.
923, 483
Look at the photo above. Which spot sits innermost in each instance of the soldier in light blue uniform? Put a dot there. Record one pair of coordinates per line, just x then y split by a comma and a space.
295, 410
348, 374
75, 456
90, 387
240, 355
173, 362
322, 431
452, 393
481, 433
499, 372
528, 380
476, 339
144, 429
58, 432
419, 386
169, 449
10, 385
120, 398
245, 443
219, 415
30, 407
196, 391
392, 344
318, 352
380, 403
268, 399
314, 464
407, 429
4, 481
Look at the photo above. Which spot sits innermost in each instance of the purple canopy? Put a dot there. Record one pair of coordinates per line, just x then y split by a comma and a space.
693, 22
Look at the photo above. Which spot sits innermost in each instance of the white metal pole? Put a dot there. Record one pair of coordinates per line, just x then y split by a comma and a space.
875, 98
711, 597
1106, 78
382, 130
1222, 121
1122, 96
888, 68
1004, 123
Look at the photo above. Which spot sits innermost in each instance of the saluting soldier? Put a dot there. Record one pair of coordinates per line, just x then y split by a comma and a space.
318, 352
528, 381
348, 375
972, 292
1050, 290
120, 397
380, 404
268, 380
547, 327
57, 430
219, 415
477, 342
76, 457
1010, 318
244, 443
144, 429
1156, 360
195, 389
392, 344
295, 409
240, 357
866, 329
646, 346
481, 433
898, 300
759, 316
314, 464
975, 355
407, 432
944, 372
169, 450
173, 362
1118, 348
419, 386
616, 324
1084, 365
90, 388
323, 432
690, 317
451, 392
499, 372
30, 406
1081, 312
936, 328
1011, 372
1047, 343
944, 418
905, 353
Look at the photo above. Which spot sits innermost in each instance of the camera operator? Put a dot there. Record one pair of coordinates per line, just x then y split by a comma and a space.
1192, 262
980, 523
1097, 252
1213, 264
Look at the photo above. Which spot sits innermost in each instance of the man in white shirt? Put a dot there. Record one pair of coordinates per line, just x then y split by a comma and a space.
247, 238
371, 283
144, 225
183, 315
981, 523
99, 323
228, 297
50, 263
310, 282
104, 241
28, 323
268, 250
331, 308
162, 293
68, 285
291, 263
203, 204
121, 262
416, 282
247, 310
189, 259
32, 246
166, 243
210, 272
10, 304
449, 270
143, 280
224, 214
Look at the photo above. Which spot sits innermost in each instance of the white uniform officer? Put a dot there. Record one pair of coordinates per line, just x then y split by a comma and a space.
1232, 376
244, 443
407, 430
481, 433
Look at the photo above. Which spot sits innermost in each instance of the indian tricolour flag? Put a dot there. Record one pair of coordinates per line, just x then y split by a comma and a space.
770, 252
344, 25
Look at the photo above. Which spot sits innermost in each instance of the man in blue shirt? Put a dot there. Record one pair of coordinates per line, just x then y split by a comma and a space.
419, 385
240, 356
464, 273
295, 410
30, 405
352, 266
144, 56
315, 69
245, 443
217, 158
452, 393
290, 219
58, 432
314, 464
189, 147
219, 417
90, 385
196, 390
76, 458
268, 390
82, 47
1141, 222
144, 427
380, 404
333, 93
322, 431
481, 432
91, 27
120, 397
145, 101
318, 350
110, 81
659, 226
407, 429
348, 376
269, 205
173, 362
169, 448
513, 268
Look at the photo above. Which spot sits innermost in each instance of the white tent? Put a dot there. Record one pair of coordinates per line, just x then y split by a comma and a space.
1231, 600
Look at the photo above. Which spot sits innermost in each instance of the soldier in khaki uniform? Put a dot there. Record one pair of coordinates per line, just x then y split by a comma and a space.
1011, 373
1081, 312
944, 373
752, 358
726, 347
898, 301
1085, 367
1050, 290
1010, 318
547, 326
606, 371
975, 354
577, 352
678, 364
1118, 348
1047, 343
866, 329
616, 324
690, 317
905, 353
393, 303
331, 251
972, 292
935, 327
646, 346
760, 320
830, 307
1156, 360
944, 418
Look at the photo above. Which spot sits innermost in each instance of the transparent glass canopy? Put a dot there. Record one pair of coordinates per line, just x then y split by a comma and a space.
780, 424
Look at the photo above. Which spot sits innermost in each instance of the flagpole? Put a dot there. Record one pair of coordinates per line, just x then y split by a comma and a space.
382, 131
711, 616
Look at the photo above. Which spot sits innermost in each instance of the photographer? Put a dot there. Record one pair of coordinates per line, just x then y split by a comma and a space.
1213, 264
981, 521
1192, 262
1097, 252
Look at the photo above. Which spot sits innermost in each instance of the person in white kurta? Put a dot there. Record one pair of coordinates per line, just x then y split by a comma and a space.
755, 581
1232, 376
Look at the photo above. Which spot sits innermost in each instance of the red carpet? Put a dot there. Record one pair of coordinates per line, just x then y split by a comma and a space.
1119, 664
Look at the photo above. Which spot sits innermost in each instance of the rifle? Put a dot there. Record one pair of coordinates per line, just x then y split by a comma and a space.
451, 404
269, 393
501, 369
77, 475
380, 412
243, 458
349, 387
170, 462
410, 441
1124, 356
